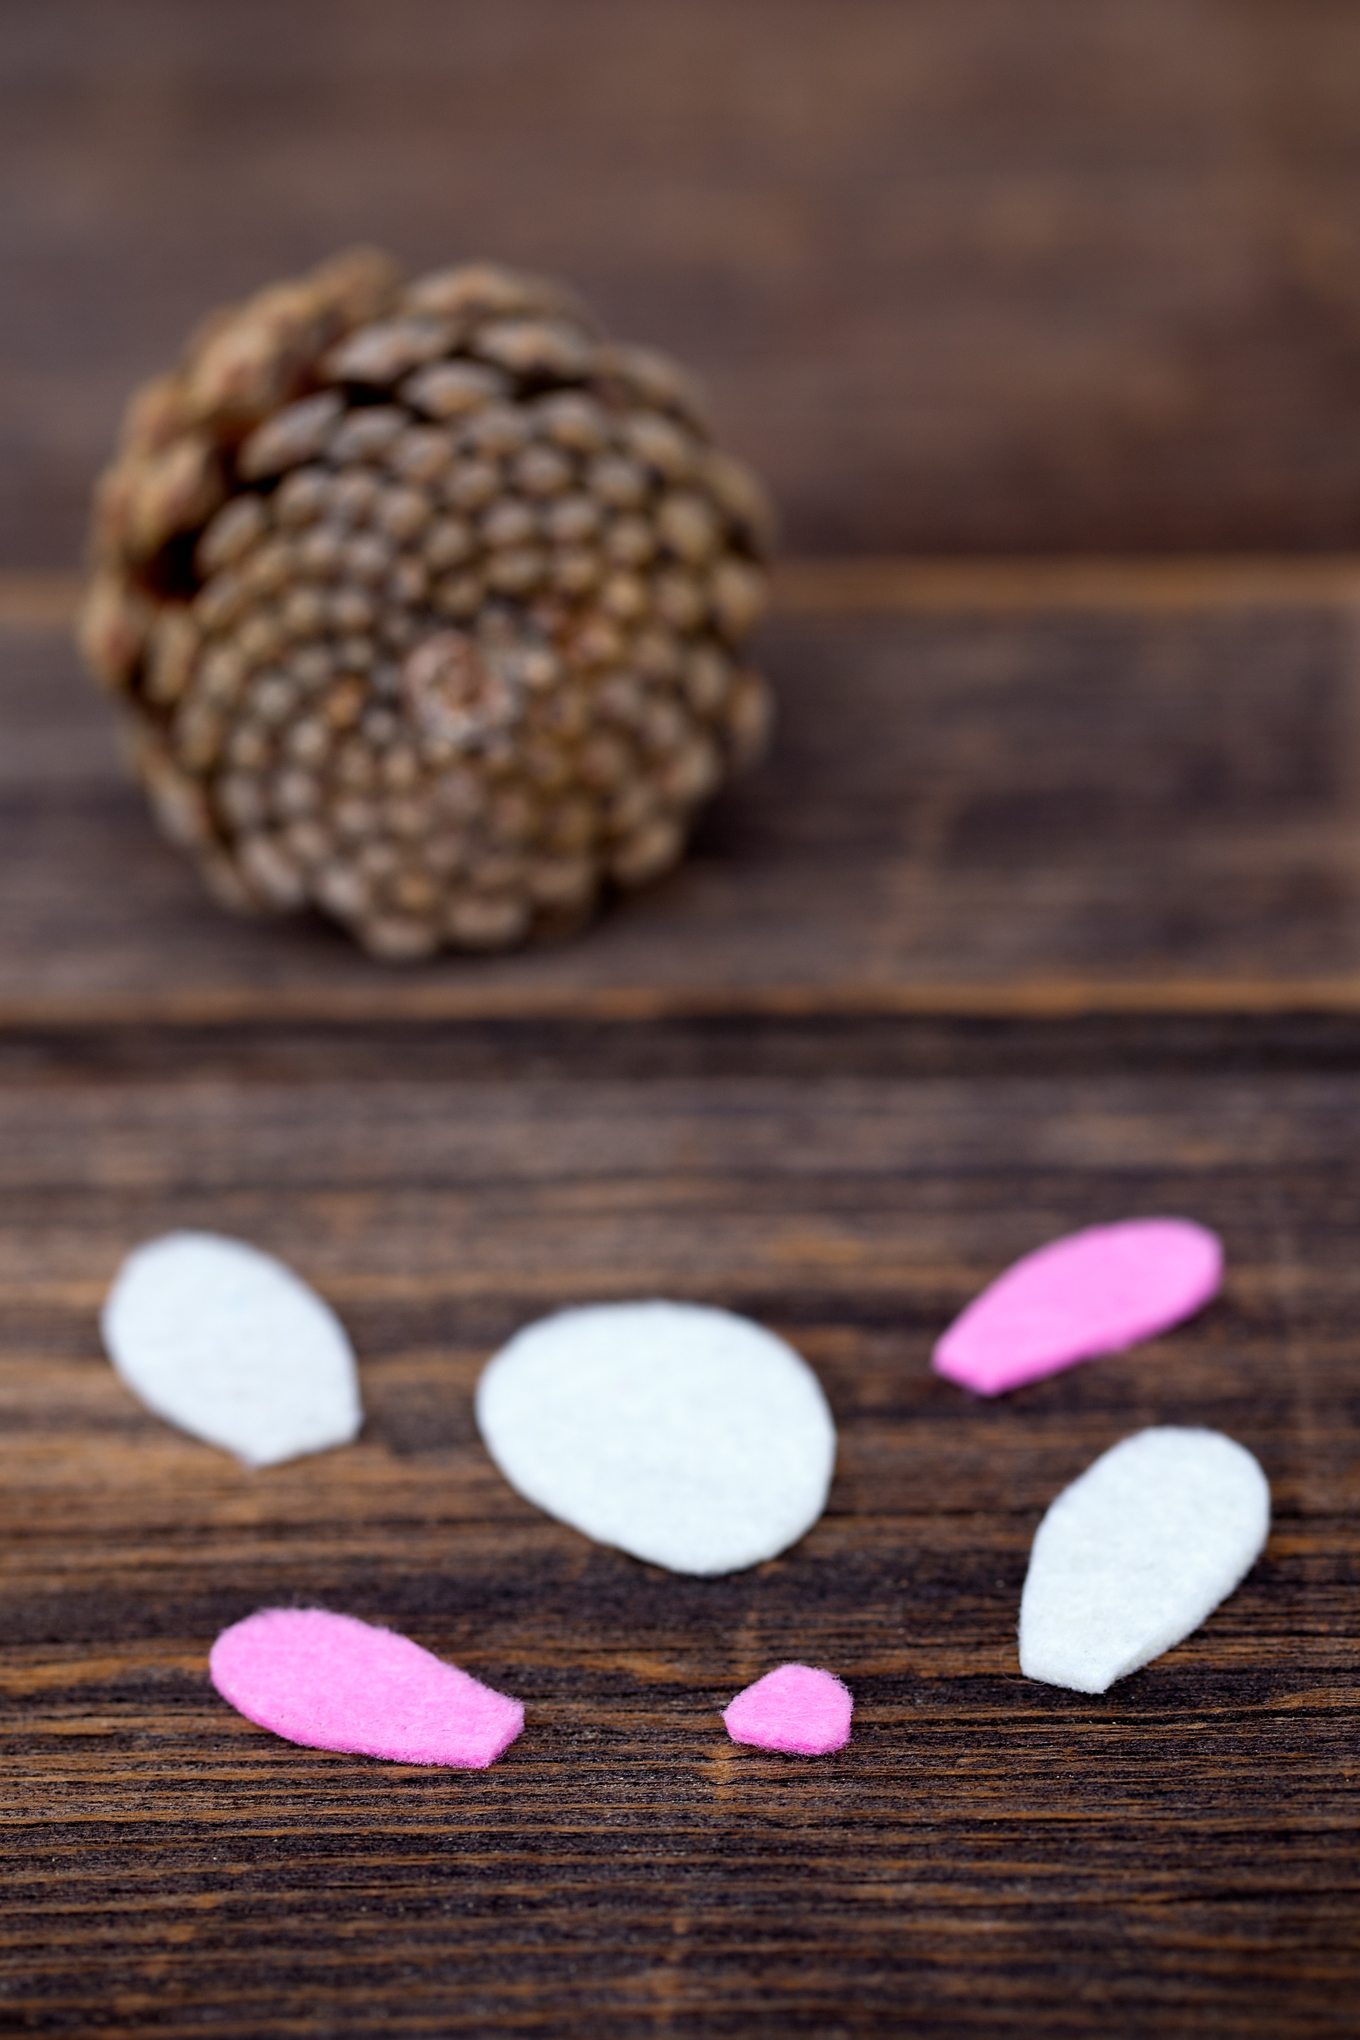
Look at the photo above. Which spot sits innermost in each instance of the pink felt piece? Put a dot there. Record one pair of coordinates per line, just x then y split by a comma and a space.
794, 1708
332, 1682
1093, 1292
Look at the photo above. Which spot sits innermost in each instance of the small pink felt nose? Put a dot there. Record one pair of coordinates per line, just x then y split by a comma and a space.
794, 1708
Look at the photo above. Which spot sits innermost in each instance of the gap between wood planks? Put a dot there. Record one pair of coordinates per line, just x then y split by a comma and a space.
919, 584
399, 999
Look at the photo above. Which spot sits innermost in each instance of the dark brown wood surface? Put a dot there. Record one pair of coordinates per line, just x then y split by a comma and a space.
1044, 910
1059, 274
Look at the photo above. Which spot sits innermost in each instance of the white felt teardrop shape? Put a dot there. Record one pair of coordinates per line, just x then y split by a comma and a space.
684, 1435
231, 1346
1137, 1553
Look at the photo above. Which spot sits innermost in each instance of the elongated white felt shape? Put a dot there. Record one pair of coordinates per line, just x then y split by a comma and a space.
1093, 1292
1137, 1553
228, 1344
684, 1435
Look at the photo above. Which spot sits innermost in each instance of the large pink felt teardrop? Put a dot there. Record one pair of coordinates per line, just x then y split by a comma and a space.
795, 1708
1093, 1292
332, 1682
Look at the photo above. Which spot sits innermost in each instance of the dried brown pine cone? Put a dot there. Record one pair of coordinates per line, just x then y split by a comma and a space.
427, 604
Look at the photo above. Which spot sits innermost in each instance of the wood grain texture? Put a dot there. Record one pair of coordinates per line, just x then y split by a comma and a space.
1065, 807
1044, 910
988, 1856
1072, 274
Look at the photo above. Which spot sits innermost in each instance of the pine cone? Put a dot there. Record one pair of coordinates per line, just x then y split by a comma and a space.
426, 604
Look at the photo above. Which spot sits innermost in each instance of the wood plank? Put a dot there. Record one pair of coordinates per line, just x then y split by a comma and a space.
975, 277
1049, 809
988, 1857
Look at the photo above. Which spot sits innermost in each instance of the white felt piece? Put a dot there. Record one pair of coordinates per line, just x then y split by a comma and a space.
687, 1436
1137, 1553
231, 1346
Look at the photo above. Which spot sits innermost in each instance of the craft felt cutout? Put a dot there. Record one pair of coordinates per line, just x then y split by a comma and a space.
1094, 1292
795, 1708
1137, 1553
687, 1436
231, 1346
332, 1682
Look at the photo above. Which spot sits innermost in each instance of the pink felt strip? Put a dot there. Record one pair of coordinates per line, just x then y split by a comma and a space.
1093, 1292
795, 1708
332, 1682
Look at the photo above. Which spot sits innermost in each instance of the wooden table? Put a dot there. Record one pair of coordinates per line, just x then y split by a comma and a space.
1045, 322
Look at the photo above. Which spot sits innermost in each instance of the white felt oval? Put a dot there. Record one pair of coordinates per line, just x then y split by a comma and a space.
1137, 1553
231, 1346
684, 1435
